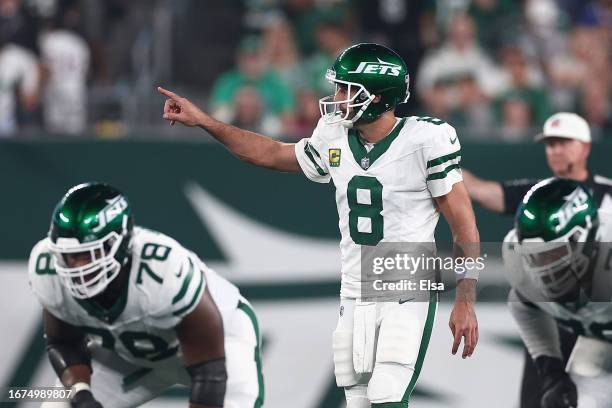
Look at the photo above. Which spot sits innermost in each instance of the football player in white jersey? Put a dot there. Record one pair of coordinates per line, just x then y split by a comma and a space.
393, 177
558, 261
129, 312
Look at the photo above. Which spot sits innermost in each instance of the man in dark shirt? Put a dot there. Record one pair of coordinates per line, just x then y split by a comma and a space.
567, 138
568, 143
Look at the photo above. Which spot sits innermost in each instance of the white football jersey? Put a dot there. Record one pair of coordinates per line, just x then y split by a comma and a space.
384, 192
591, 320
166, 283
66, 57
18, 71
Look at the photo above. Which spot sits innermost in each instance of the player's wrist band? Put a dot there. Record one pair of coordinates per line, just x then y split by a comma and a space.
80, 386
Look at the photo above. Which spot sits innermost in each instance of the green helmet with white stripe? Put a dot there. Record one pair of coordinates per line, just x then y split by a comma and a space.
366, 71
89, 238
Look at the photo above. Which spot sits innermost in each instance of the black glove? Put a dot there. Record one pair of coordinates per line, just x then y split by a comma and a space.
558, 389
84, 399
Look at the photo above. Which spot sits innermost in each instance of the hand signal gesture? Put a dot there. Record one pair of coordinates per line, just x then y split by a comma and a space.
179, 109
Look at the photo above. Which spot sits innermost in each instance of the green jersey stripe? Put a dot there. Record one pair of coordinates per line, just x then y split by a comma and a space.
194, 299
185, 284
313, 150
443, 159
308, 150
246, 308
443, 173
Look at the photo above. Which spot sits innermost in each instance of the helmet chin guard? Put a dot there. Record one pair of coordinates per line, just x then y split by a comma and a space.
88, 280
557, 267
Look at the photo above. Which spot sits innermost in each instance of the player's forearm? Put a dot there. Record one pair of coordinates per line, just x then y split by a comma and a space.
466, 245
488, 194
466, 290
537, 329
248, 146
67, 350
466, 240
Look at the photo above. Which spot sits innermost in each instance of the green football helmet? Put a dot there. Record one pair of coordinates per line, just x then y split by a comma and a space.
366, 70
90, 234
556, 225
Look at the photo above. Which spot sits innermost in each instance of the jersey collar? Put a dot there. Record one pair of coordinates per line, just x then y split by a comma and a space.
364, 158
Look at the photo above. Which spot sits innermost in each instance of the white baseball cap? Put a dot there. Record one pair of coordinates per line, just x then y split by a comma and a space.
567, 125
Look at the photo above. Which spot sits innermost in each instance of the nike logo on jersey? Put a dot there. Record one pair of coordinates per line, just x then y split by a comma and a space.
380, 68
405, 300
453, 140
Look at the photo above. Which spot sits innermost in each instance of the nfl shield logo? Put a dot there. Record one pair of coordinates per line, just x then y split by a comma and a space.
365, 163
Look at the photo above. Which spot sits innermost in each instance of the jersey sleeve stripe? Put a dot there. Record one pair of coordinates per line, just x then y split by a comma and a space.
443, 173
185, 284
308, 149
194, 299
441, 167
313, 150
443, 159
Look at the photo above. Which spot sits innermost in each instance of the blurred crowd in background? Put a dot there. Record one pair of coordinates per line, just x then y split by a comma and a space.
495, 69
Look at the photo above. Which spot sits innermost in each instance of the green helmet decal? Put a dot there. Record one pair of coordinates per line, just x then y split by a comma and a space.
93, 222
367, 70
554, 207
556, 226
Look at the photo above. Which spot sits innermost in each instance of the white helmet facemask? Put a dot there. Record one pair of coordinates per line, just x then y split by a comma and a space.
556, 266
358, 101
91, 279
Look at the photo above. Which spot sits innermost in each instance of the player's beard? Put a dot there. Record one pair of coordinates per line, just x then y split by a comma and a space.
351, 112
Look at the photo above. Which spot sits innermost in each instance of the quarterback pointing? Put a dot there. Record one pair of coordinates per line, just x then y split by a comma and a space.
128, 312
393, 177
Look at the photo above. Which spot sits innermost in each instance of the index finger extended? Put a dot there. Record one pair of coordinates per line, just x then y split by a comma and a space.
168, 93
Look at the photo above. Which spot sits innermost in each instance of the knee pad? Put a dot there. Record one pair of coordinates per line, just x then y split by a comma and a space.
389, 383
342, 344
356, 396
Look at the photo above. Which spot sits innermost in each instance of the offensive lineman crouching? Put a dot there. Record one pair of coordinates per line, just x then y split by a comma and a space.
557, 260
128, 312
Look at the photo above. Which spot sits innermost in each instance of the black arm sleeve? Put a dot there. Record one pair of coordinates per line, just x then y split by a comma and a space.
208, 382
64, 354
514, 191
